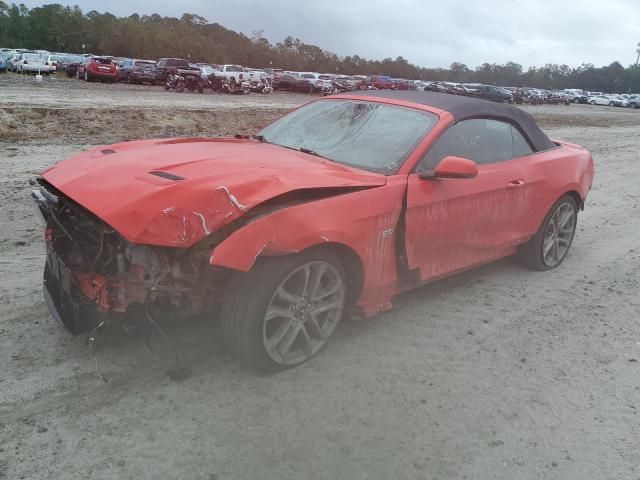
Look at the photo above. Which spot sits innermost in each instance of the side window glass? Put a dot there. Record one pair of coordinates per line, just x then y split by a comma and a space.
481, 140
520, 146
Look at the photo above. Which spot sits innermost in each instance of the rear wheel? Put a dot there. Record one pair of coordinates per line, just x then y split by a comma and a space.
549, 246
284, 311
592, 102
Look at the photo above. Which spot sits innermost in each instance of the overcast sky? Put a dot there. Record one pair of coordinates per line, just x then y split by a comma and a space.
427, 33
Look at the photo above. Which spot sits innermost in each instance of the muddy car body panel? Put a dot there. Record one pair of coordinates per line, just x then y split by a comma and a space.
173, 220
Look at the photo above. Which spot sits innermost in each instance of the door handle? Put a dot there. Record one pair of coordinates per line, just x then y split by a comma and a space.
515, 184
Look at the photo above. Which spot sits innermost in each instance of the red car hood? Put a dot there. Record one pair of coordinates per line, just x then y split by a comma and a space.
176, 192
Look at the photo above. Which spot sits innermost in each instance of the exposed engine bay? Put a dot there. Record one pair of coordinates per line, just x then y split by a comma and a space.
93, 271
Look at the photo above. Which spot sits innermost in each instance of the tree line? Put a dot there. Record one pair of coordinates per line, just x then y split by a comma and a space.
58, 28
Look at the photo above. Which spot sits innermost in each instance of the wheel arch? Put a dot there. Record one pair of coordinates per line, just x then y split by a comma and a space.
576, 196
352, 264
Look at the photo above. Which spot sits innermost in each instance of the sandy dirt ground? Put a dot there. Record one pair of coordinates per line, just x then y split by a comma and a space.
499, 373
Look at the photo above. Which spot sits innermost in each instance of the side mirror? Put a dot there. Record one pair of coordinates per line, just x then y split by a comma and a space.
453, 167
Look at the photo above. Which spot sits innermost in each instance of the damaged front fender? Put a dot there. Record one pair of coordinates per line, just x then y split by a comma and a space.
364, 221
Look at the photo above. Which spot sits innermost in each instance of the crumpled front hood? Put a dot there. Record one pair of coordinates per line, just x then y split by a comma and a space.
176, 192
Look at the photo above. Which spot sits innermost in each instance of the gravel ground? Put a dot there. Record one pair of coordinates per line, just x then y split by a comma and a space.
498, 373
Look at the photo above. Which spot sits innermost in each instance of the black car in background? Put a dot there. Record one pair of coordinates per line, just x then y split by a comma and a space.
144, 71
286, 82
166, 66
69, 64
495, 94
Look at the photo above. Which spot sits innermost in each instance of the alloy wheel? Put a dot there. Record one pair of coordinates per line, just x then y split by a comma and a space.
303, 313
559, 234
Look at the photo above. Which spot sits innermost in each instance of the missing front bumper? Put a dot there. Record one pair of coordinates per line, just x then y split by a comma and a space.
71, 311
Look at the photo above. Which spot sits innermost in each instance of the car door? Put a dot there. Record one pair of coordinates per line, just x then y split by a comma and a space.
454, 224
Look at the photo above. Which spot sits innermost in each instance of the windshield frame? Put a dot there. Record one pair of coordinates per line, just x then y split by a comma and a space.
399, 165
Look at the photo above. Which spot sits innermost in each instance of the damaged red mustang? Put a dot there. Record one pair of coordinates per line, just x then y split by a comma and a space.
335, 208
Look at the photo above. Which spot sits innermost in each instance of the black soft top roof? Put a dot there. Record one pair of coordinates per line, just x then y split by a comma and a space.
463, 108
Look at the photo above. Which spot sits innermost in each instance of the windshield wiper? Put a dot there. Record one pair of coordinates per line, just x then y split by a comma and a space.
260, 138
308, 151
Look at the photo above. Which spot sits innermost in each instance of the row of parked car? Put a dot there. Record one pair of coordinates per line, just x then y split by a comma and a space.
113, 69
238, 79
535, 96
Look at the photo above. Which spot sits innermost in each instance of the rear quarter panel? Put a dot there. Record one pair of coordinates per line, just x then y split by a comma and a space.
551, 174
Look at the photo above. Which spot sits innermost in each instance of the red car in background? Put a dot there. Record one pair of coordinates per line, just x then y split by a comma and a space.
97, 68
381, 82
400, 84
336, 207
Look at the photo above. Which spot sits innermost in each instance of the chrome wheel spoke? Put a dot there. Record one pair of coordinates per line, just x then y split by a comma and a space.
277, 312
314, 327
327, 293
278, 336
289, 337
287, 296
308, 343
555, 250
315, 279
564, 220
325, 306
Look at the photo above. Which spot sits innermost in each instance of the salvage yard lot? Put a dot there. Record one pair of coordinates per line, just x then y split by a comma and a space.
498, 373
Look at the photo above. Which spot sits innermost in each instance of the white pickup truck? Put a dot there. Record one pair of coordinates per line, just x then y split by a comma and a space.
234, 74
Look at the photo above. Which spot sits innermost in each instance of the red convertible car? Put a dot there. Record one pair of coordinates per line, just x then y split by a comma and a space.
335, 208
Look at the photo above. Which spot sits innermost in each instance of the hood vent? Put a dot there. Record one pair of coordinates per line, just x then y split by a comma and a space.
166, 175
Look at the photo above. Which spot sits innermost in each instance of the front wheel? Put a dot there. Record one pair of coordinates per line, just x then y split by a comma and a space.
284, 311
549, 246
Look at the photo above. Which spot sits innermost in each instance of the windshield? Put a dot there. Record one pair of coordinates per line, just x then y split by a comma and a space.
368, 135
234, 68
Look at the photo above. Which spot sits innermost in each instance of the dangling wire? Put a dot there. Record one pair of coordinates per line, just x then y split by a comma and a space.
180, 372
92, 339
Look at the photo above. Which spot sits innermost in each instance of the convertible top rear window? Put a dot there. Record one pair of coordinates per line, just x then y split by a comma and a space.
369, 135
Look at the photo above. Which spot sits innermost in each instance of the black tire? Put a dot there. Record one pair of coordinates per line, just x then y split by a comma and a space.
87, 78
233, 84
249, 295
592, 102
180, 87
611, 104
531, 254
129, 79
